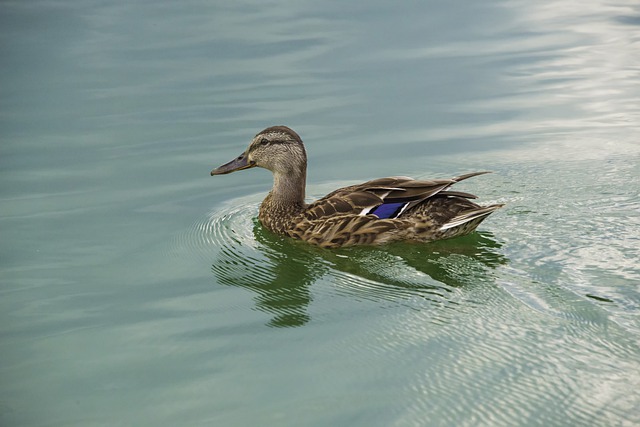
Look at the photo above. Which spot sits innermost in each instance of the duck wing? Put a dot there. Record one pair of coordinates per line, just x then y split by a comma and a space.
386, 198
388, 209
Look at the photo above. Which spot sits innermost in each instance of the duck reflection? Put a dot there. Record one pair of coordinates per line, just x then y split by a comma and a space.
281, 271
278, 272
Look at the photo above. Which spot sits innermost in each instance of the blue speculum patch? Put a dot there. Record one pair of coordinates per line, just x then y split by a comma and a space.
388, 210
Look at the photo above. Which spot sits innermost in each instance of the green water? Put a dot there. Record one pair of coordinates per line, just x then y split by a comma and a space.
137, 290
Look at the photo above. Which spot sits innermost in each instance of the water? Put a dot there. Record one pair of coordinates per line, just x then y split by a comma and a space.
137, 290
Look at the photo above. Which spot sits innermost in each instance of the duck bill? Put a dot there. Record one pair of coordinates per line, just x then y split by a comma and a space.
236, 164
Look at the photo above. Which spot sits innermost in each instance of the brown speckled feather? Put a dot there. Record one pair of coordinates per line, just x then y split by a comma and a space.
336, 220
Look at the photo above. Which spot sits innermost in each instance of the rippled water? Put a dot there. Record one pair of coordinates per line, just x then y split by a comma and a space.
138, 290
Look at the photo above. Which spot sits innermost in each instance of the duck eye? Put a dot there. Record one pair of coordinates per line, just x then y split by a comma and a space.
263, 141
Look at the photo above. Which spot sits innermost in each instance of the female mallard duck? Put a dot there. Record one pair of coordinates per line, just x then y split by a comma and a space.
375, 212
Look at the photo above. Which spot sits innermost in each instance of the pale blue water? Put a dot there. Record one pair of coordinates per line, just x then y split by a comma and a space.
137, 290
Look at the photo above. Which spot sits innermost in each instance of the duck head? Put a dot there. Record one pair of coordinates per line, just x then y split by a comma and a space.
277, 148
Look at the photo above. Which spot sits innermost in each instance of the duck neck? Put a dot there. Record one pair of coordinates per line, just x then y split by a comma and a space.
288, 189
284, 201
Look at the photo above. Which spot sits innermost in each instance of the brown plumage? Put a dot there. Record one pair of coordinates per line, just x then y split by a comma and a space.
372, 213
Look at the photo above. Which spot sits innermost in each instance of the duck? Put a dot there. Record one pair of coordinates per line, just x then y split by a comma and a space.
375, 212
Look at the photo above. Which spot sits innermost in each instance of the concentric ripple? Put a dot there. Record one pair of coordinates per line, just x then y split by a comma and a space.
229, 226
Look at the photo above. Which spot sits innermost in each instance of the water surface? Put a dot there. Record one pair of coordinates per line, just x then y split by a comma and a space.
137, 290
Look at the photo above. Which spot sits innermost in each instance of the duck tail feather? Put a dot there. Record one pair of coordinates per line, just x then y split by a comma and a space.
468, 216
468, 175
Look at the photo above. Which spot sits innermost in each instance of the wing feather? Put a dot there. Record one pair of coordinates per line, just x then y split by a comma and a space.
388, 197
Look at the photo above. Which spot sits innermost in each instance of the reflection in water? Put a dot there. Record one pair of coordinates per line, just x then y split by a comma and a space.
450, 263
280, 270
280, 276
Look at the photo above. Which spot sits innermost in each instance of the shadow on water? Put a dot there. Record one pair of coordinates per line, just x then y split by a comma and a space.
281, 271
